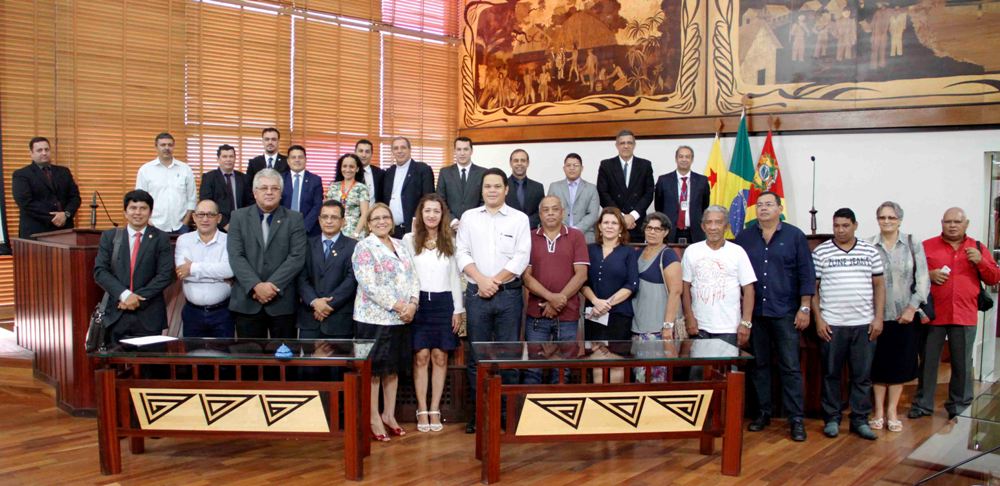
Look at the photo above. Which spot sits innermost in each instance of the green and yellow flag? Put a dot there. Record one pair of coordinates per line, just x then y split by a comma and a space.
736, 187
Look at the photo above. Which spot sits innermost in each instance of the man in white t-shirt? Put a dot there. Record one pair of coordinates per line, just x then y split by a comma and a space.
848, 306
718, 283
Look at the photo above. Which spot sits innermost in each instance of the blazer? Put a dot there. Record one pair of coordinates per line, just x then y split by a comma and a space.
257, 163
310, 200
253, 262
636, 197
374, 186
419, 181
533, 194
586, 208
461, 197
35, 198
154, 272
329, 277
667, 202
384, 278
213, 186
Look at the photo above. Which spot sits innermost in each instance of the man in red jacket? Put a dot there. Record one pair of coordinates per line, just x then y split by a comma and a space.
957, 263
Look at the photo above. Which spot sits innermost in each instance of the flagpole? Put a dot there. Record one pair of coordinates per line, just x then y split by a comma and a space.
812, 212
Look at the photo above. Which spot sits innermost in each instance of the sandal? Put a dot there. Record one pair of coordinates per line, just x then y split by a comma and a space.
876, 423
438, 427
895, 425
423, 427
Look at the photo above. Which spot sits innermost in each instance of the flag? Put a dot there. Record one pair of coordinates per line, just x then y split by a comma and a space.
716, 171
736, 188
767, 177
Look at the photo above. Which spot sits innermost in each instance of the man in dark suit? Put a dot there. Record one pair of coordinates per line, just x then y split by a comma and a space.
326, 283
267, 249
303, 190
461, 184
135, 281
373, 175
229, 188
270, 159
632, 197
683, 196
404, 184
46, 195
524, 194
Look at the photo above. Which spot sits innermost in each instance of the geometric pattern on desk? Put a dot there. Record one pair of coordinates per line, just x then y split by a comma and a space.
230, 410
615, 413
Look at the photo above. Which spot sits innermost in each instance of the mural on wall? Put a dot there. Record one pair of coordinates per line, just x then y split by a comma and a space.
553, 61
800, 55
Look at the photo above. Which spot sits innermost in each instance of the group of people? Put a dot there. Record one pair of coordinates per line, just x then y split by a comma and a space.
387, 256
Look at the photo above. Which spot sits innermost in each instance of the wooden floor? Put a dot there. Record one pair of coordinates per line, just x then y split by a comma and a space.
41, 445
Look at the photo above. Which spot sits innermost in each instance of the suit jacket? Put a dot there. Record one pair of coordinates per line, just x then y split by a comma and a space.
154, 272
310, 200
533, 194
375, 186
36, 197
636, 197
213, 186
257, 163
332, 277
461, 197
667, 202
419, 181
253, 262
586, 208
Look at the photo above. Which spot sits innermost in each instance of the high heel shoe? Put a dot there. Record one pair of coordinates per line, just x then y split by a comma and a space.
438, 427
379, 437
394, 430
423, 427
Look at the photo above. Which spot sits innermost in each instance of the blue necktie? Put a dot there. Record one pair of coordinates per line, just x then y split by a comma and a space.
327, 246
295, 193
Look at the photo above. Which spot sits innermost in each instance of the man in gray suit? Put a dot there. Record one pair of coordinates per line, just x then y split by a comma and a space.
267, 249
578, 196
461, 184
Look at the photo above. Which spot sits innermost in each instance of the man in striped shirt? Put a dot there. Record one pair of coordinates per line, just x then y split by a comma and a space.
848, 306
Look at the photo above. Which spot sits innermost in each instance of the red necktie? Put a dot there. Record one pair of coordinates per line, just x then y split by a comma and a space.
682, 213
135, 253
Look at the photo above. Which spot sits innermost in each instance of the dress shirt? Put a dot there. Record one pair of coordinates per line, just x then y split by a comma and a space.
572, 186
630, 166
370, 182
899, 271
396, 202
494, 241
955, 300
302, 180
270, 160
131, 245
620, 270
333, 242
784, 269
173, 189
680, 184
231, 183
210, 268
436, 272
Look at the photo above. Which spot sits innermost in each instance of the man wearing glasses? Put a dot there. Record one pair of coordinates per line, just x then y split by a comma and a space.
202, 266
786, 281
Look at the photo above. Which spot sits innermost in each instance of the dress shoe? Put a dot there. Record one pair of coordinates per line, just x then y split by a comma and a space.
916, 413
831, 429
864, 431
394, 430
470, 428
798, 431
759, 423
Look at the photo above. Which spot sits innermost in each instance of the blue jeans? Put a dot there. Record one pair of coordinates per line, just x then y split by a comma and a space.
495, 319
777, 335
849, 345
217, 323
541, 329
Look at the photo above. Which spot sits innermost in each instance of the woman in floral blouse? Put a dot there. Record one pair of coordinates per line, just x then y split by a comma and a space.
349, 188
386, 301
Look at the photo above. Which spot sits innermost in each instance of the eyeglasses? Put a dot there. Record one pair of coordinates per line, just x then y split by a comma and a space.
658, 229
329, 217
205, 215
379, 218
268, 189
887, 218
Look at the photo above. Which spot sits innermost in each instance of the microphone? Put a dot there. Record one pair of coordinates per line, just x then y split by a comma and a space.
93, 211
106, 213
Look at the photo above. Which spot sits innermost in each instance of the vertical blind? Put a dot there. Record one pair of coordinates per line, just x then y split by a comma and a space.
101, 78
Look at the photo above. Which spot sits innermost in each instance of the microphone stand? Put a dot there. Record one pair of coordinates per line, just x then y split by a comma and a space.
812, 212
93, 211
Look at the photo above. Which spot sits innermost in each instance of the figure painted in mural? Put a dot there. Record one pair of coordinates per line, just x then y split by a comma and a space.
822, 30
797, 36
897, 24
847, 36
880, 36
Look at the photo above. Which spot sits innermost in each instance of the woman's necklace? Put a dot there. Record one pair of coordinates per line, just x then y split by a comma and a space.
431, 244
345, 193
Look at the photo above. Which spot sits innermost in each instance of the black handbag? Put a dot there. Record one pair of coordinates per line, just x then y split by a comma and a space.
927, 307
97, 331
983, 301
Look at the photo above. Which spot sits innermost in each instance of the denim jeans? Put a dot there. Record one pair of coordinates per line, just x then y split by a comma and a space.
777, 335
543, 329
217, 323
495, 319
849, 345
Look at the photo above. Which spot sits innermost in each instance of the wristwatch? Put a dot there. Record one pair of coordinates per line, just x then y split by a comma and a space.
805, 309
668, 325
746, 324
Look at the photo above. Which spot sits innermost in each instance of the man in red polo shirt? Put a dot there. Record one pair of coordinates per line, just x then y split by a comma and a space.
556, 271
953, 259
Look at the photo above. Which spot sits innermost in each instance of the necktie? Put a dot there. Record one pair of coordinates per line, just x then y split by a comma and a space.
270, 162
327, 246
295, 193
682, 212
520, 194
464, 180
48, 174
572, 201
265, 226
229, 187
135, 253
626, 174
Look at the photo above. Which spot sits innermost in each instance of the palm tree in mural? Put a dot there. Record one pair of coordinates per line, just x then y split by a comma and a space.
642, 55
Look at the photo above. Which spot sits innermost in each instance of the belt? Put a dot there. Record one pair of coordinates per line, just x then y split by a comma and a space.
512, 285
430, 295
207, 308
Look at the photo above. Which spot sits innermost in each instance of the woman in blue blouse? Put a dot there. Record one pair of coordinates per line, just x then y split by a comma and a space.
611, 279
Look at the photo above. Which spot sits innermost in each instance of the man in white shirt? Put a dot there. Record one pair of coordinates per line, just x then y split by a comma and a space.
202, 265
373, 175
460, 184
493, 248
718, 284
171, 183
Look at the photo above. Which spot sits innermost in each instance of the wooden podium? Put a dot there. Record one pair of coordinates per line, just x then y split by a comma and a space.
56, 294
